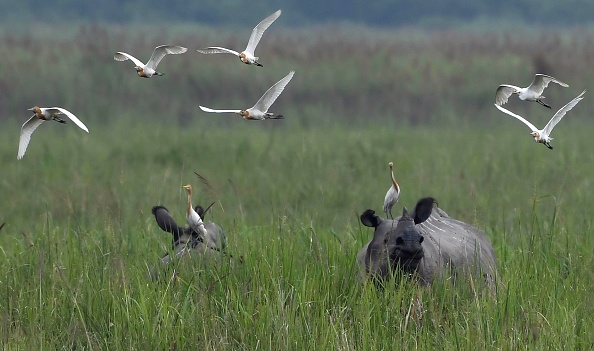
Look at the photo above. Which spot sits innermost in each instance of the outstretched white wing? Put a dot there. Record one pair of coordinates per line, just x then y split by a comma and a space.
217, 50
26, 130
541, 81
122, 56
68, 114
530, 125
161, 51
273, 93
504, 92
557, 117
258, 31
206, 109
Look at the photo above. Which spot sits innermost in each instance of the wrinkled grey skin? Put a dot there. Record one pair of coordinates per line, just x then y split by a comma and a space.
427, 244
188, 246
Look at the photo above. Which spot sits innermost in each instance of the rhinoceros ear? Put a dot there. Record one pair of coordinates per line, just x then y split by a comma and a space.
166, 222
201, 211
370, 219
423, 209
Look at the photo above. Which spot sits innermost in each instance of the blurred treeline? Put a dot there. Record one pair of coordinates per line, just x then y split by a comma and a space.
305, 12
347, 74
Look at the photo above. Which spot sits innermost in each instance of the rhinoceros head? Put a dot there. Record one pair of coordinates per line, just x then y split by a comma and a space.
396, 243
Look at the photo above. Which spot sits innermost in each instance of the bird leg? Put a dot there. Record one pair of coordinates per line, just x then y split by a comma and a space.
258, 64
273, 116
58, 119
546, 143
543, 103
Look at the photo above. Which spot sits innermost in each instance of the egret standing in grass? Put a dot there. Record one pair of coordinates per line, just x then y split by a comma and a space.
259, 111
393, 193
543, 135
247, 56
533, 92
192, 217
149, 70
41, 114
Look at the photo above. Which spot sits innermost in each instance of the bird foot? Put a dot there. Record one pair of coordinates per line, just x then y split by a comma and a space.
543, 103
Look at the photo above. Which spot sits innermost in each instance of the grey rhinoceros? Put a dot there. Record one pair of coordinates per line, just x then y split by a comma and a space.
426, 244
188, 244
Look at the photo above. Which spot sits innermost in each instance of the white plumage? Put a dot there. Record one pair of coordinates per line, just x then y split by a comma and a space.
192, 217
393, 193
260, 110
543, 136
41, 114
148, 70
247, 56
533, 92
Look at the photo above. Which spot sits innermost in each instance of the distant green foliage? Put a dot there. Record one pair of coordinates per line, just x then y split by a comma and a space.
410, 77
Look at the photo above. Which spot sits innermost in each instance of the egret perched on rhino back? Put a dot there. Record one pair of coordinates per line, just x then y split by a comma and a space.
192, 217
187, 243
393, 193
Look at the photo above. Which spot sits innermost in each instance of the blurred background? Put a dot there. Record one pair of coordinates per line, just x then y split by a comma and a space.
356, 62
404, 81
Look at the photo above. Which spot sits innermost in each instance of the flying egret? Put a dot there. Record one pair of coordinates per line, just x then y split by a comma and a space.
247, 56
192, 217
148, 70
543, 135
393, 193
41, 114
260, 110
533, 92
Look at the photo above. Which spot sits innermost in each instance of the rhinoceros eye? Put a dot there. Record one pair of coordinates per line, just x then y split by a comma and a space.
421, 240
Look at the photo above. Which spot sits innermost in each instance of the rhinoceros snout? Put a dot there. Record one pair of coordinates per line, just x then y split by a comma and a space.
408, 248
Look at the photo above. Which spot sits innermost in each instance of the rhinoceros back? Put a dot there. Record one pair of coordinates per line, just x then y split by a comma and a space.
454, 247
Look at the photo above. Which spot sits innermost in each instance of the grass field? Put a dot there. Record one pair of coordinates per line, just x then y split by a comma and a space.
80, 237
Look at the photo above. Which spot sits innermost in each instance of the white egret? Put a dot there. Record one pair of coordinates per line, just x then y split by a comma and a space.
192, 217
533, 92
41, 114
260, 110
247, 56
148, 70
393, 193
543, 135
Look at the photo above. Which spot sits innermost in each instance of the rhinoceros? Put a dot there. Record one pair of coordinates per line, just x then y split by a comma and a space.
426, 244
188, 244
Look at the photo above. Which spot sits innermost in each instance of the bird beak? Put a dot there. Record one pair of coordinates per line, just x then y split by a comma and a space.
31, 109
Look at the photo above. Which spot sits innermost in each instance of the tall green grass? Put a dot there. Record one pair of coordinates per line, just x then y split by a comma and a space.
80, 238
